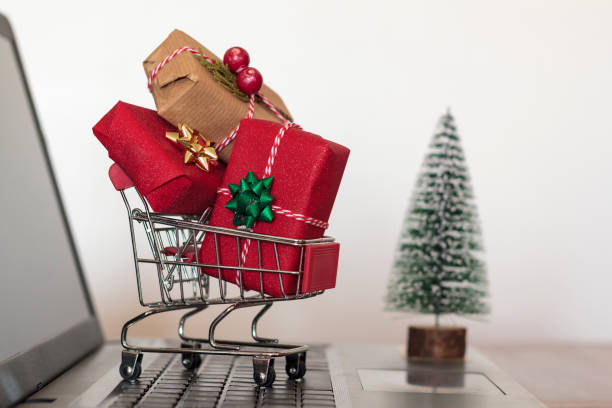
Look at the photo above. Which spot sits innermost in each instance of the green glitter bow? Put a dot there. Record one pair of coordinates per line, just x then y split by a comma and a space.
251, 200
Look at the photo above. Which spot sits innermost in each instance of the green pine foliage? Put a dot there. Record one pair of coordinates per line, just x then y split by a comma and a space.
437, 269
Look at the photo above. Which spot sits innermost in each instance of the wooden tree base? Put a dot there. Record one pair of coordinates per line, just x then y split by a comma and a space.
442, 343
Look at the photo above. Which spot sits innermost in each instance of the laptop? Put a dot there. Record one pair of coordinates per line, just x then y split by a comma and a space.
52, 353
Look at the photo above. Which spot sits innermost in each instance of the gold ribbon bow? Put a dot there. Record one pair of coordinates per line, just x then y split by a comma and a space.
198, 149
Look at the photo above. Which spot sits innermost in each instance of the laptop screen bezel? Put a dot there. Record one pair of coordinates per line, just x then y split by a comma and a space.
30, 370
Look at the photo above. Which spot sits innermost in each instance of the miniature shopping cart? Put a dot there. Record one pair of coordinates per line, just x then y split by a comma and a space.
167, 266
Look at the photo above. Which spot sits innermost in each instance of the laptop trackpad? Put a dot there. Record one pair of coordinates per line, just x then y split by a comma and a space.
428, 381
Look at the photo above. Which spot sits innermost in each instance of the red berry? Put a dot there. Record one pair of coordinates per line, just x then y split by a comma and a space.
236, 58
249, 81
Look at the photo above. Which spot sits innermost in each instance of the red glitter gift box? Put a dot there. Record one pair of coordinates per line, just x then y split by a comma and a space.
136, 140
305, 172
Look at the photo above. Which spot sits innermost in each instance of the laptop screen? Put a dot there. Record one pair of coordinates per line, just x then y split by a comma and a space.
41, 294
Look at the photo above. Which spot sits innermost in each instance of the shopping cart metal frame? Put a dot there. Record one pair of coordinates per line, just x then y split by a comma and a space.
185, 234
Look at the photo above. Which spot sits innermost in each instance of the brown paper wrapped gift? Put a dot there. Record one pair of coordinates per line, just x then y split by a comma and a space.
186, 92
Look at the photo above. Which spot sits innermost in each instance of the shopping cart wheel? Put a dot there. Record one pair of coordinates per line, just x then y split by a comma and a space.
190, 361
263, 371
130, 367
295, 365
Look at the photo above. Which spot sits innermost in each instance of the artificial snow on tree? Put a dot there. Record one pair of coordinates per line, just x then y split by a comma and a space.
437, 269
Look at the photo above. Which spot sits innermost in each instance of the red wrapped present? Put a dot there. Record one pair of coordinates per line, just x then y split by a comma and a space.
281, 181
136, 139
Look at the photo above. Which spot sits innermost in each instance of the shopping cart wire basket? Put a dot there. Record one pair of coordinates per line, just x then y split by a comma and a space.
169, 261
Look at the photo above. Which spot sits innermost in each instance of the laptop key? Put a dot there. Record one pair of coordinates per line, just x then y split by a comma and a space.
314, 397
170, 387
161, 396
210, 381
199, 397
318, 392
173, 382
166, 393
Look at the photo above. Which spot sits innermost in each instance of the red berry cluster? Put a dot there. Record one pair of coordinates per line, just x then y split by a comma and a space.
248, 79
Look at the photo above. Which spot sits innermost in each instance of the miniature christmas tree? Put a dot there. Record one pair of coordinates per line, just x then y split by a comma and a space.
437, 269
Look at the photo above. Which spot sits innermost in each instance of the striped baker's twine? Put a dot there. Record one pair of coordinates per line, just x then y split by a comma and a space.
229, 138
170, 57
274, 148
287, 213
271, 106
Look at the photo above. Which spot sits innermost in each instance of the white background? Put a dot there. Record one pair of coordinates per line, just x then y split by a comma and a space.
528, 81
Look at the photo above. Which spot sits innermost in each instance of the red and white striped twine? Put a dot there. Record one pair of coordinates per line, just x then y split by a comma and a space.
245, 251
274, 148
271, 106
287, 213
170, 57
229, 138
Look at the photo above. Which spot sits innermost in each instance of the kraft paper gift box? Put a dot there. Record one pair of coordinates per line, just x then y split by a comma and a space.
186, 92
306, 172
136, 140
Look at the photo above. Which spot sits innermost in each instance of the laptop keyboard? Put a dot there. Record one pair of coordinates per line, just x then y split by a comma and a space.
223, 381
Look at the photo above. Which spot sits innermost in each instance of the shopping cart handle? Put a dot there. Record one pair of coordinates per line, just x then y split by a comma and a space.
120, 180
